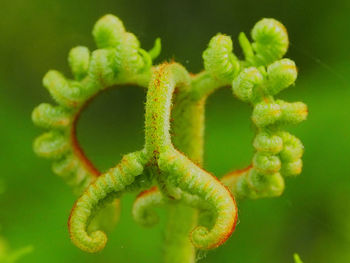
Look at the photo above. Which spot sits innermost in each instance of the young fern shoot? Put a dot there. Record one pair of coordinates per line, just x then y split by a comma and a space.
170, 165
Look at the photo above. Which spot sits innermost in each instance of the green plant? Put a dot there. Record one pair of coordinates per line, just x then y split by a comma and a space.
171, 160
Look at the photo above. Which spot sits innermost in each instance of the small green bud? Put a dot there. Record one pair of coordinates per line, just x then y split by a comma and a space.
78, 59
131, 41
129, 57
281, 75
60, 89
108, 32
101, 69
242, 189
266, 164
51, 145
72, 172
219, 59
66, 166
269, 186
245, 84
275, 184
265, 142
80, 179
47, 116
266, 113
292, 147
255, 180
292, 168
270, 41
293, 113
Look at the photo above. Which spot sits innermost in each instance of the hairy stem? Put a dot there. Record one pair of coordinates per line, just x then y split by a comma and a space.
177, 244
188, 133
203, 84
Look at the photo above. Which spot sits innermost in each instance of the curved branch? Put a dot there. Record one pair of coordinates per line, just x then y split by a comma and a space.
158, 106
192, 179
250, 183
102, 191
180, 171
144, 204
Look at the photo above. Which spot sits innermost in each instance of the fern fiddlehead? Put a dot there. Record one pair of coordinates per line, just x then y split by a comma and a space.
256, 80
106, 188
277, 152
270, 42
174, 169
183, 173
172, 161
118, 61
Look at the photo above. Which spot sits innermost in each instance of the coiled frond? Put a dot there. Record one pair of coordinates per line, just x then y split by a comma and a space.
277, 152
219, 59
270, 42
79, 60
246, 84
119, 59
101, 192
60, 145
144, 204
193, 179
128, 58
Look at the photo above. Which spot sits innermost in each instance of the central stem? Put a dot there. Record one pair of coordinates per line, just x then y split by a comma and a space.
188, 130
171, 100
158, 109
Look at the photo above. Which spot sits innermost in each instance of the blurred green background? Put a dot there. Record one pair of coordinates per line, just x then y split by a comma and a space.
311, 218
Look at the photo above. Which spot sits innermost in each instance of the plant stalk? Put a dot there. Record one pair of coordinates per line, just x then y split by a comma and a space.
188, 131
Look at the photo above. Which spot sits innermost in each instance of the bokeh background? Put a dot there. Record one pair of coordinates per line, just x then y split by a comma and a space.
311, 218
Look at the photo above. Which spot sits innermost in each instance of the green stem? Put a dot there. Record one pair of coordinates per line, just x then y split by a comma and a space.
177, 244
203, 84
188, 131
159, 98
166, 79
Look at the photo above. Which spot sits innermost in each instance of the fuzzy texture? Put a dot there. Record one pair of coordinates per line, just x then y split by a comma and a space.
278, 153
108, 186
219, 59
172, 157
270, 42
174, 171
120, 60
